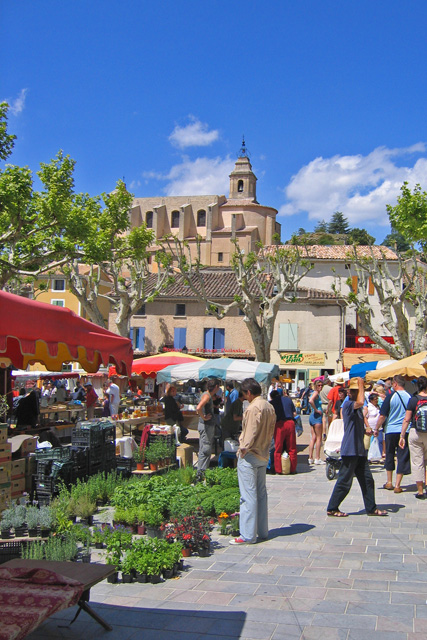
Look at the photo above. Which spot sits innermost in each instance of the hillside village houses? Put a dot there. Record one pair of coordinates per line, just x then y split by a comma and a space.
315, 334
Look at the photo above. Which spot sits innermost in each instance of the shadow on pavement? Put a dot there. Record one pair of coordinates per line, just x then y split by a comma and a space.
292, 530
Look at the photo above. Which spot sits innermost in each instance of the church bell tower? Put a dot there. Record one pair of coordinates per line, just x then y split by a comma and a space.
242, 179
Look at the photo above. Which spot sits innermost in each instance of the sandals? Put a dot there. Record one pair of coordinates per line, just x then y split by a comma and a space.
336, 513
388, 486
378, 512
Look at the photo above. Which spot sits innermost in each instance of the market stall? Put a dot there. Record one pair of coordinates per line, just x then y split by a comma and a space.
410, 367
149, 366
32, 331
221, 368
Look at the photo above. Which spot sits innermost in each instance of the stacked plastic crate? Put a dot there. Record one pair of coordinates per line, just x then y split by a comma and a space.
98, 439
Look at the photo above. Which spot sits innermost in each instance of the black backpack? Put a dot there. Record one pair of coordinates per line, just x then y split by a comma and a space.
419, 418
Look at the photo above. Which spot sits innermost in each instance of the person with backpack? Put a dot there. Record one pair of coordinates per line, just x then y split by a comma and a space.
392, 413
416, 413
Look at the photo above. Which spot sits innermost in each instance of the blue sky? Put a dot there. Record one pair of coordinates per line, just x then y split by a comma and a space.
331, 98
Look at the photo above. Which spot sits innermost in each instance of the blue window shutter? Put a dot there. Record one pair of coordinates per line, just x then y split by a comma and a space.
179, 337
131, 334
209, 339
219, 339
140, 341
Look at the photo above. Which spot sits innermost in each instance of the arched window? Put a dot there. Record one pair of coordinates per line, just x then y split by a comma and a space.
240, 186
201, 218
175, 220
149, 219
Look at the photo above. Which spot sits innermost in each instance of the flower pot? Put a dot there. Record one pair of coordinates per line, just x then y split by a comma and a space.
5, 533
33, 532
176, 568
141, 530
45, 532
153, 466
181, 565
167, 574
20, 531
186, 552
127, 578
155, 578
204, 552
141, 577
99, 545
113, 578
140, 466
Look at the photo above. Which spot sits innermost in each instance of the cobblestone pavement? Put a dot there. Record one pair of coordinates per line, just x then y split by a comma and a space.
357, 578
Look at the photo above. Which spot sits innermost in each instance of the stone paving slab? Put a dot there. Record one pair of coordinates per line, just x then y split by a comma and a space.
316, 578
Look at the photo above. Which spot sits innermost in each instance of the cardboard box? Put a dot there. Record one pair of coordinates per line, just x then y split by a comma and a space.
17, 487
30, 465
17, 468
4, 495
5, 472
5, 452
185, 452
22, 445
3, 432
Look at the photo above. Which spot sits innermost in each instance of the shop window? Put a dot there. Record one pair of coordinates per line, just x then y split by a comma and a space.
288, 337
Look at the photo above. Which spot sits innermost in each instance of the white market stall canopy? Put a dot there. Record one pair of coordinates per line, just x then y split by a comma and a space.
221, 368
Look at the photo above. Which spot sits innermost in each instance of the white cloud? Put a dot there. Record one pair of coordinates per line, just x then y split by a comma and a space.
202, 176
194, 134
17, 105
359, 186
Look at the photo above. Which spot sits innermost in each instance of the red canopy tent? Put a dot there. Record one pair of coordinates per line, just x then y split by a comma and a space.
32, 331
149, 366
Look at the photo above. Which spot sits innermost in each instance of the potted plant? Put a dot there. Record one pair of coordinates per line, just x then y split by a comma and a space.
18, 520
153, 519
138, 456
152, 456
45, 520
6, 523
128, 567
85, 509
32, 518
98, 536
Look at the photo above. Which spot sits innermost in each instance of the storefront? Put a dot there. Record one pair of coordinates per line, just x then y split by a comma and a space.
300, 368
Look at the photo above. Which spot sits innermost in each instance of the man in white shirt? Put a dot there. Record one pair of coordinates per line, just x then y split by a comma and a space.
114, 395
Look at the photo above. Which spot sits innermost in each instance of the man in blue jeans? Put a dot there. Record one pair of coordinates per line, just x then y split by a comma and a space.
258, 424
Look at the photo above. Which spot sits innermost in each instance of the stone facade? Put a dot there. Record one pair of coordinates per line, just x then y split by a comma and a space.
215, 219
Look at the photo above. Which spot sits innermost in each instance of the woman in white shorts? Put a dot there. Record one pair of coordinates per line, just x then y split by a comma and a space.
416, 417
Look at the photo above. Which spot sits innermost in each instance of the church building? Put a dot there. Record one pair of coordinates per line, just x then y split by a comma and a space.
216, 219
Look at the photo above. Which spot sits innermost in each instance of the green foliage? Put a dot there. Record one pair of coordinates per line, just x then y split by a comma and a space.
360, 237
223, 477
7, 140
338, 224
396, 241
409, 215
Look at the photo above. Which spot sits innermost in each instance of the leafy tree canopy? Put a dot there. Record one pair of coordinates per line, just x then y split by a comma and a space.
409, 215
338, 224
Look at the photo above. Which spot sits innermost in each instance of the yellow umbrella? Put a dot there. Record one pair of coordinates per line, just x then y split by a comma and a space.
410, 367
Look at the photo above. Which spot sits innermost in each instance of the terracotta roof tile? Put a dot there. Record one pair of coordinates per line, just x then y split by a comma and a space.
338, 252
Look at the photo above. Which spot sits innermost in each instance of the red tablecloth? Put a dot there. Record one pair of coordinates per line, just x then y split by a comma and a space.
29, 596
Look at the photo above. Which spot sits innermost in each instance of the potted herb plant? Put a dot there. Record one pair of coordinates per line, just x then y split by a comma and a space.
153, 519
128, 567
45, 520
85, 509
18, 520
6, 523
138, 456
32, 518
152, 456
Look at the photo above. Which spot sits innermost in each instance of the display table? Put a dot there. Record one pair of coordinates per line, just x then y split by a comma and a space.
127, 424
58, 585
57, 409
